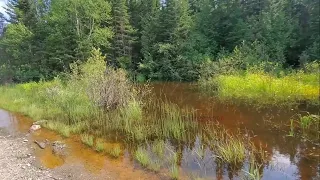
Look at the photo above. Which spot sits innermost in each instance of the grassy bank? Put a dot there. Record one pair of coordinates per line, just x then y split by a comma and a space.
264, 88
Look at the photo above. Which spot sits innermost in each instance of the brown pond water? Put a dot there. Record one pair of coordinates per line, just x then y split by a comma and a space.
288, 157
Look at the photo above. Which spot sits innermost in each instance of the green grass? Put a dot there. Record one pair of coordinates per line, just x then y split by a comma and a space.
99, 146
158, 148
142, 156
114, 151
307, 126
291, 132
87, 139
253, 173
265, 89
174, 171
231, 150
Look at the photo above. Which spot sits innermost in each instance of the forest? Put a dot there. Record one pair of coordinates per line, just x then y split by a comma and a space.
159, 40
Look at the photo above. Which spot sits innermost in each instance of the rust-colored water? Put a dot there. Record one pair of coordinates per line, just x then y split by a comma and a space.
288, 158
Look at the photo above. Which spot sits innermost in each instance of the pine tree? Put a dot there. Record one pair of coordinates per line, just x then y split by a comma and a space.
123, 35
173, 29
149, 35
22, 11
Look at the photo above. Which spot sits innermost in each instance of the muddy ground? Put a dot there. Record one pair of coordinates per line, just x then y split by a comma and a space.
17, 161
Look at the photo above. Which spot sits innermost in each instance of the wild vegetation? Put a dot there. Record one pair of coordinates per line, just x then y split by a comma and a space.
96, 112
76, 64
260, 84
306, 126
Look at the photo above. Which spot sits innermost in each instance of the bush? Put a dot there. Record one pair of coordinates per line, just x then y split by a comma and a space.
106, 87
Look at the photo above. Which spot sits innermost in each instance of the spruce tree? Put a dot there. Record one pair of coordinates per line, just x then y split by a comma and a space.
123, 35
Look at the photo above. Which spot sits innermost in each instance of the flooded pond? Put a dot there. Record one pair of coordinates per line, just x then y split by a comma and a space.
286, 157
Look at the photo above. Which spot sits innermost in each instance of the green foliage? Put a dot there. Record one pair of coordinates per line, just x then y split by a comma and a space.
121, 52
52, 35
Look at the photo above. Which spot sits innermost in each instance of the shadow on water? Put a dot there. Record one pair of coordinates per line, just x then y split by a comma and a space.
287, 157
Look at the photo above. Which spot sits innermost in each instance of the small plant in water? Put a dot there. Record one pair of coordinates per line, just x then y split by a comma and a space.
142, 156
291, 132
99, 145
155, 166
115, 151
253, 173
231, 150
305, 122
87, 139
158, 147
174, 171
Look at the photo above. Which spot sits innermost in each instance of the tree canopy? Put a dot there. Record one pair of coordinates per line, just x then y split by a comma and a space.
154, 39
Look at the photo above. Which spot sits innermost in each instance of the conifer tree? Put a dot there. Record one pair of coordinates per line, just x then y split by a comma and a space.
123, 35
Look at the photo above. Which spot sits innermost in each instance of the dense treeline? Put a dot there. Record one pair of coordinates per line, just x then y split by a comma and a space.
155, 39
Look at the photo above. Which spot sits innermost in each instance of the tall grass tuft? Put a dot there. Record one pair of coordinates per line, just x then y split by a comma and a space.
231, 150
114, 151
142, 156
87, 139
99, 147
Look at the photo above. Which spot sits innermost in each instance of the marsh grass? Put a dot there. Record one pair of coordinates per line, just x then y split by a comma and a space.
253, 172
229, 148
64, 129
149, 159
174, 172
142, 156
114, 150
158, 147
306, 125
291, 132
99, 146
264, 89
232, 150
87, 139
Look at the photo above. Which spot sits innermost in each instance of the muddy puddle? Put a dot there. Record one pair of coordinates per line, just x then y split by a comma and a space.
288, 157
